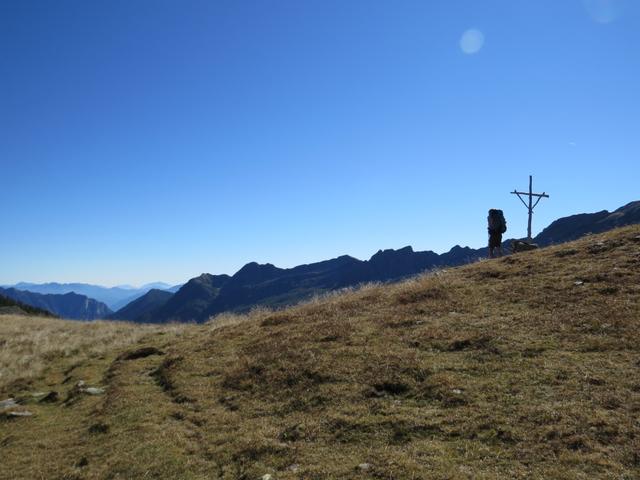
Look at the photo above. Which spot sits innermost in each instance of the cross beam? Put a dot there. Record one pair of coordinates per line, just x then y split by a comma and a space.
530, 206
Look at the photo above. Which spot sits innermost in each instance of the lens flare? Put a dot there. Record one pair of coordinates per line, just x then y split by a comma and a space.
603, 11
471, 41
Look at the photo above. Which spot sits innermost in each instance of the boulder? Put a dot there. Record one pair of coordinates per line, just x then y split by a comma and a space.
522, 246
46, 397
93, 390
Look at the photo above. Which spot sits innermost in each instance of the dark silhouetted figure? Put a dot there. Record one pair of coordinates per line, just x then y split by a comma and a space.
497, 225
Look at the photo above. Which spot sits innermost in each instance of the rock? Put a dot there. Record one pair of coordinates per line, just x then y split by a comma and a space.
294, 467
597, 247
266, 476
48, 397
140, 353
93, 390
457, 391
22, 413
522, 246
82, 388
578, 283
9, 402
364, 467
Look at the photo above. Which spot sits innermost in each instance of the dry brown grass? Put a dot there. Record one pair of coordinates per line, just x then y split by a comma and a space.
523, 367
30, 344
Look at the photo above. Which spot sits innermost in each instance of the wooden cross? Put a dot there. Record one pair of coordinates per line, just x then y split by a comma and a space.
530, 206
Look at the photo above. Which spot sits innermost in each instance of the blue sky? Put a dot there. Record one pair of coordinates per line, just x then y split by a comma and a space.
155, 140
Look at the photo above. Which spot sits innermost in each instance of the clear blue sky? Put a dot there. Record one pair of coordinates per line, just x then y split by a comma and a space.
154, 140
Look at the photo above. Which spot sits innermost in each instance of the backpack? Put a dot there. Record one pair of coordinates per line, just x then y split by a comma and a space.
497, 223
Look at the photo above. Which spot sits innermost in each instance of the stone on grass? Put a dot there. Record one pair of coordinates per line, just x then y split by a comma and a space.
364, 467
9, 402
47, 397
93, 390
21, 413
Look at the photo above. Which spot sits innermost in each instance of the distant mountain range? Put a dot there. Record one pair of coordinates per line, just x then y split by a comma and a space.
268, 285
255, 284
114, 297
68, 305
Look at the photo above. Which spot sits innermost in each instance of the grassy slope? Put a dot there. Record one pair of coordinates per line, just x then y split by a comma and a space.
510, 368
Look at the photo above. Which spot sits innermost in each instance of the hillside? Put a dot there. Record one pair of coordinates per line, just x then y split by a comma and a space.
140, 309
521, 367
9, 306
69, 305
190, 301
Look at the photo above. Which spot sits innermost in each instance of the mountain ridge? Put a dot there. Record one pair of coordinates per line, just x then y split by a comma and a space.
268, 285
265, 284
575, 226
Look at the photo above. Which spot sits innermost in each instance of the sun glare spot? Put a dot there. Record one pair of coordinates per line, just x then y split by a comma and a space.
471, 41
603, 11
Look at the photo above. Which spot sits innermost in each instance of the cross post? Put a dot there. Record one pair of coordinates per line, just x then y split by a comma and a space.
530, 205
